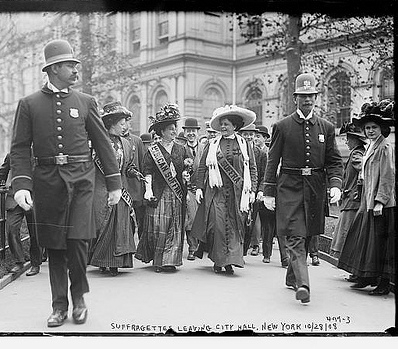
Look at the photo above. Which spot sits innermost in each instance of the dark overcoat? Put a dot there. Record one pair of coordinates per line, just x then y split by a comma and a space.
53, 123
301, 200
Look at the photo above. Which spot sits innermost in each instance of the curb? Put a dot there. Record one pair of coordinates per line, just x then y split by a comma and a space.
5, 280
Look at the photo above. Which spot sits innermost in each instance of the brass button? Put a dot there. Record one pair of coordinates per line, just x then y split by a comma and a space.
59, 128
59, 137
60, 146
58, 103
59, 111
59, 120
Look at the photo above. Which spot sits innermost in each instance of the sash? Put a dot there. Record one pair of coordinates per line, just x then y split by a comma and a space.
228, 169
125, 194
164, 169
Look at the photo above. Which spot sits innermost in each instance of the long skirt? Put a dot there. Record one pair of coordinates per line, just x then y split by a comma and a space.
162, 238
115, 246
225, 244
369, 249
340, 232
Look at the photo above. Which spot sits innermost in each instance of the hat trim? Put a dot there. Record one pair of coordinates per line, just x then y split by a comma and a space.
59, 59
157, 123
247, 116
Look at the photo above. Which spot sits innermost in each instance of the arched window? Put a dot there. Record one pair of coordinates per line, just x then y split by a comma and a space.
134, 106
254, 102
160, 100
387, 85
212, 99
339, 98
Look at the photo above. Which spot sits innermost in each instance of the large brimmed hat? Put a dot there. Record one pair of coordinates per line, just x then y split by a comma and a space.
350, 129
167, 114
305, 84
116, 110
263, 130
381, 113
191, 123
208, 127
247, 116
57, 51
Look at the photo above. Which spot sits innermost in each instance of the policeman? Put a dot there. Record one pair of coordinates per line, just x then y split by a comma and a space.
59, 123
305, 145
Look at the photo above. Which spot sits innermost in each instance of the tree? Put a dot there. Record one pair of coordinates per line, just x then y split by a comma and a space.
304, 40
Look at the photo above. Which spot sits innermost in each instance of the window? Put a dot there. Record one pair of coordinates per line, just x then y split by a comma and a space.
212, 99
254, 102
163, 28
135, 33
387, 85
339, 99
134, 106
160, 100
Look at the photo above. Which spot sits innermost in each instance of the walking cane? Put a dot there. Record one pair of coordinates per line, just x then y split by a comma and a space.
3, 192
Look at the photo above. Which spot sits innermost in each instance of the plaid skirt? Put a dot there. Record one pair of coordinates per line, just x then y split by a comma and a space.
162, 237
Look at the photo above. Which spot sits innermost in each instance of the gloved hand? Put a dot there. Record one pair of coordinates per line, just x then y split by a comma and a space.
199, 195
252, 197
24, 199
148, 188
269, 202
260, 196
114, 196
335, 195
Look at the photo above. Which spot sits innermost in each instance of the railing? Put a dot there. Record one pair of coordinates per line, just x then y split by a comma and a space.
3, 192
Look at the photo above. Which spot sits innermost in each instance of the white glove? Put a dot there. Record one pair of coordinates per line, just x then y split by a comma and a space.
148, 188
199, 195
269, 202
252, 197
114, 196
24, 199
260, 196
186, 176
335, 195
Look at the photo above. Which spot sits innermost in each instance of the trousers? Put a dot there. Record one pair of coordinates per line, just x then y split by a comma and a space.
72, 262
297, 270
14, 220
269, 232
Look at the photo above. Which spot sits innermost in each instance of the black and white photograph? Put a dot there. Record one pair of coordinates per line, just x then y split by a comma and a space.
220, 173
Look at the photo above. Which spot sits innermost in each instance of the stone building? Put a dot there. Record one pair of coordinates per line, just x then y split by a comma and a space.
195, 59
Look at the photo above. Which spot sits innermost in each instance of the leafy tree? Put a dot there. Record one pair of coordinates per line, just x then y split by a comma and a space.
304, 41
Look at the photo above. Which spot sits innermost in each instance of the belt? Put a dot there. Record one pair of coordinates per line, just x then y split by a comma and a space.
62, 159
303, 171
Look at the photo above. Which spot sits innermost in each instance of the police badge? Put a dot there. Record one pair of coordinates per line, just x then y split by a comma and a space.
321, 138
74, 113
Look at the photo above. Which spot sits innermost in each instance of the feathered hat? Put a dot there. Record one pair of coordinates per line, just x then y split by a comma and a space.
169, 113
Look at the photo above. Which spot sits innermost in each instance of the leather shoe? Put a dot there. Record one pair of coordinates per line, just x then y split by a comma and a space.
266, 260
315, 261
217, 269
33, 271
113, 271
380, 291
191, 256
291, 285
363, 283
80, 311
17, 269
57, 318
255, 251
303, 295
229, 270
352, 278
285, 263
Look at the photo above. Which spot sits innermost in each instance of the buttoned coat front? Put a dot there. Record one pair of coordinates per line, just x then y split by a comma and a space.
301, 200
54, 123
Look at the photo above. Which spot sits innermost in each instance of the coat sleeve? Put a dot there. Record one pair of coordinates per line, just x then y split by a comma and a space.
252, 167
103, 147
333, 160
202, 169
4, 170
387, 175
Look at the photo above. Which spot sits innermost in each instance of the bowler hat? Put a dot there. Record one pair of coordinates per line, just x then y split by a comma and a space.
263, 130
167, 114
191, 123
305, 84
246, 115
146, 137
57, 51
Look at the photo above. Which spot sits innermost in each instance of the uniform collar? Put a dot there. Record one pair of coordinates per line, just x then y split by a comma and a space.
55, 89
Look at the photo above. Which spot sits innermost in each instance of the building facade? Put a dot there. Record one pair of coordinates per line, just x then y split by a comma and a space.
195, 59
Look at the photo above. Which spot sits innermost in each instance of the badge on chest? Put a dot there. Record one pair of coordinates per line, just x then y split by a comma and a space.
321, 138
74, 113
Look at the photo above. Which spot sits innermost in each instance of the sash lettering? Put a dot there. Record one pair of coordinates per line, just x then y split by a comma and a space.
226, 166
164, 169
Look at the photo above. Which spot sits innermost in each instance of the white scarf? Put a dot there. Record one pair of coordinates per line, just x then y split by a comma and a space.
215, 179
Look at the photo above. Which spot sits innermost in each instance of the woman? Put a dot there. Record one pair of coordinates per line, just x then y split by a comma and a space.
226, 181
369, 251
114, 246
350, 199
165, 192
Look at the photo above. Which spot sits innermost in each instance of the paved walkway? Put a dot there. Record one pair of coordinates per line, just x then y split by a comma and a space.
139, 301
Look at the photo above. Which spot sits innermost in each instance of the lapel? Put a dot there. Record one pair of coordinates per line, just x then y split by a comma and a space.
373, 149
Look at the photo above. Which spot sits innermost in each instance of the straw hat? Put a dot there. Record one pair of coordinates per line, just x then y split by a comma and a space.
246, 115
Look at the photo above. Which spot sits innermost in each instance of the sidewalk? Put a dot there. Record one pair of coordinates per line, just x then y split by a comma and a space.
139, 301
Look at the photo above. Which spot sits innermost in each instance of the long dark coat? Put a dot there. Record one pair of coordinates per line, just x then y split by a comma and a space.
301, 200
53, 123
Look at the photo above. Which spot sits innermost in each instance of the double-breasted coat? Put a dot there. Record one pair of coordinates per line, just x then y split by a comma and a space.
52, 124
301, 199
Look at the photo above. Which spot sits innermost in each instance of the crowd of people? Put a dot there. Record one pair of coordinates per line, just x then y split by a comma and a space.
90, 189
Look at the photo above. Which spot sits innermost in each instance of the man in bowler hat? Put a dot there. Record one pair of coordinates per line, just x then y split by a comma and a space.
58, 124
305, 145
